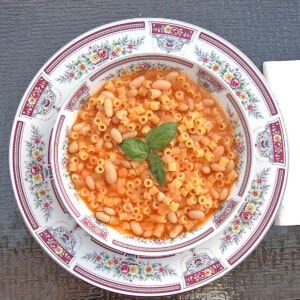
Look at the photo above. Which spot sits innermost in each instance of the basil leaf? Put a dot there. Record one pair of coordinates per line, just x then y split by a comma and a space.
157, 168
159, 137
135, 149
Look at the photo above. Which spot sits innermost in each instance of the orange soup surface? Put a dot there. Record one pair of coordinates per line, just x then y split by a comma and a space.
200, 161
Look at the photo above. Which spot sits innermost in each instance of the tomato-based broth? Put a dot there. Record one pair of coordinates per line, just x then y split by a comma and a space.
200, 162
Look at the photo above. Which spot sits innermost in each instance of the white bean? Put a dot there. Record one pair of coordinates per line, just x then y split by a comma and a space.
206, 170
230, 166
108, 107
171, 76
154, 93
136, 228
78, 126
172, 217
129, 134
116, 135
101, 216
182, 107
214, 193
174, 232
217, 168
90, 182
73, 147
136, 82
223, 194
109, 211
132, 93
218, 152
110, 172
161, 84
196, 214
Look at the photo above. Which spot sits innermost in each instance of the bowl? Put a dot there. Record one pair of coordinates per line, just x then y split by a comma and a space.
73, 202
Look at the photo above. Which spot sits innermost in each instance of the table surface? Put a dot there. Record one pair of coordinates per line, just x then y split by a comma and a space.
32, 31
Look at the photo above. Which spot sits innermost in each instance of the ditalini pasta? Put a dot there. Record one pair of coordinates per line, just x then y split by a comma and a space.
200, 161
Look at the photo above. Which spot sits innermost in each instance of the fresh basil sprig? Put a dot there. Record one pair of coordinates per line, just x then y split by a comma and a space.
159, 137
157, 168
156, 139
135, 149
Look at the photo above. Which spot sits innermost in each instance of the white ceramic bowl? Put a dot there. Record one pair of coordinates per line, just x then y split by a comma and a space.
78, 209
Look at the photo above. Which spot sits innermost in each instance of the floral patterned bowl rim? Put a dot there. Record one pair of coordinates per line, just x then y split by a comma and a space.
78, 209
79, 253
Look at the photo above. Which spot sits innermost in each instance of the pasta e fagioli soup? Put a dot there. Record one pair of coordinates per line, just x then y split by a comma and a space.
154, 157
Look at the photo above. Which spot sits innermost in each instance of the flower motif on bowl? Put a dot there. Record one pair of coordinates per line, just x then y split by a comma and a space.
249, 212
37, 173
129, 267
97, 55
233, 77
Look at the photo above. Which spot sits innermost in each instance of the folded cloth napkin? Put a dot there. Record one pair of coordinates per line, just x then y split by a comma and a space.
284, 81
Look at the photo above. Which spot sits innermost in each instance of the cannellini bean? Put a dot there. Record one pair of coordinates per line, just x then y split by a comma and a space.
171, 76
230, 166
90, 182
136, 228
129, 134
73, 147
218, 152
174, 232
217, 168
206, 170
132, 92
160, 196
161, 84
101, 216
110, 172
172, 217
116, 135
154, 93
208, 102
109, 211
136, 82
108, 107
126, 164
196, 214
223, 194
78, 126
182, 107
214, 193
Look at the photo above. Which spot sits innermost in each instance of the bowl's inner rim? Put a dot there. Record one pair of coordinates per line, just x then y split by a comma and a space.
98, 75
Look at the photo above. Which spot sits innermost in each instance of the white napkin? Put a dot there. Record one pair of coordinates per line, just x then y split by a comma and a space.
284, 81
